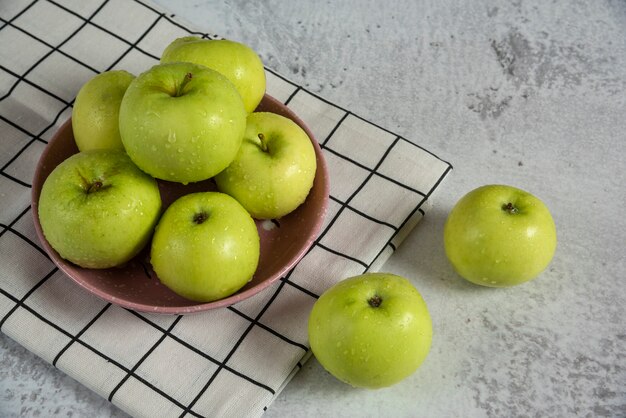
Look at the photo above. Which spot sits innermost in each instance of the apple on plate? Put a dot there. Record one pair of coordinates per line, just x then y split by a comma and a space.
370, 331
205, 247
274, 169
238, 62
97, 209
182, 122
95, 116
499, 236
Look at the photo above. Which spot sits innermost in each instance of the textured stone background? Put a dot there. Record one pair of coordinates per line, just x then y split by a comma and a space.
527, 93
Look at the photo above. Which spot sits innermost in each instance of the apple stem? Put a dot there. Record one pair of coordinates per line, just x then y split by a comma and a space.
200, 217
263, 142
510, 208
187, 79
95, 186
375, 301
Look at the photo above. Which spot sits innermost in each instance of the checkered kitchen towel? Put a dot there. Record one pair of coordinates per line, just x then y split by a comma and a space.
226, 362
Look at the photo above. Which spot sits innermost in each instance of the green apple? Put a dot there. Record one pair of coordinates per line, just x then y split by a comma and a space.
274, 169
205, 247
238, 62
97, 209
182, 122
370, 331
95, 116
498, 236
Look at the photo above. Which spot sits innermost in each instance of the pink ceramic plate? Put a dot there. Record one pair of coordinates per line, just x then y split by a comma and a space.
136, 286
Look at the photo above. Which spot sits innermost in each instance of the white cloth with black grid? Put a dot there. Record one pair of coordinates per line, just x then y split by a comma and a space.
225, 362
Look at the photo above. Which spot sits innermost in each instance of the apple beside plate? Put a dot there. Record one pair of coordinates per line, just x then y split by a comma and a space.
135, 285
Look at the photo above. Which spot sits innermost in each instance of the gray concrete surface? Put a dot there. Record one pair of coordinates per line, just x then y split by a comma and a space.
526, 93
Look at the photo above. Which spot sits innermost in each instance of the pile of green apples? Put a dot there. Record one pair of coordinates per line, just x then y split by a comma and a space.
192, 118
187, 119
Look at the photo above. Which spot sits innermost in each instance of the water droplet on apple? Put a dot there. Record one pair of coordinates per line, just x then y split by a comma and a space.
180, 150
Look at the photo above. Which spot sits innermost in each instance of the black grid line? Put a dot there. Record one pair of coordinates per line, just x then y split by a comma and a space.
102, 28
236, 346
14, 179
32, 290
170, 19
28, 143
363, 214
417, 209
16, 126
144, 357
49, 53
346, 256
133, 46
300, 288
332, 132
374, 170
285, 79
80, 333
8, 227
36, 86
6, 22
13, 25
292, 95
94, 350
25, 238
205, 355
269, 329
347, 202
